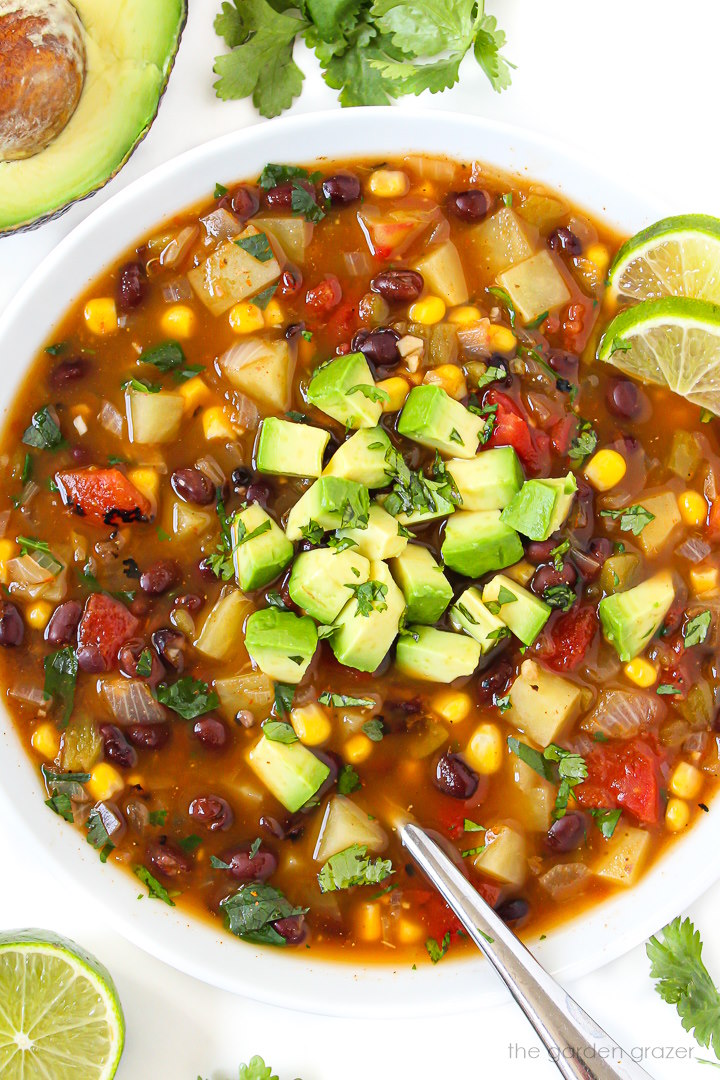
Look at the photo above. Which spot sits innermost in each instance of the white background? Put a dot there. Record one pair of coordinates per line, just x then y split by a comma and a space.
633, 84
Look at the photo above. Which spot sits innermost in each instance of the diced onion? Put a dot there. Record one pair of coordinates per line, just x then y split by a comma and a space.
440, 233
111, 818
209, 466
565, 879
27, 570
220, 225
28, 493
179, 246
33, 695
4, 519
475, 340
177, 289
244, 415
430, 168
132, 703
694, 549
111, 419
622, 714
357, 263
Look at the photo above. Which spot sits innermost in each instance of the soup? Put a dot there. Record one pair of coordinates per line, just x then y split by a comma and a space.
317, 509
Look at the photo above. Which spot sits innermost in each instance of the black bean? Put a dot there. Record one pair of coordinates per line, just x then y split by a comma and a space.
259, 493
193, 486
470, 205
117, 748
547, 577
280, 197
291, 280
342, 188
398, 286
454, 777
129, 657
64, 621
168, 859
294, 330
80, 455
159, 577
242, 201
623, 399
567, 833
190, 601
564, 239
90, 659
211, 732
148, 736
513, 911
132, 286
68, 371
242, 476
243, 867
564, 363
495, 681
211, 811
378, 346
293, 929
170, 644
538, 551
12, 627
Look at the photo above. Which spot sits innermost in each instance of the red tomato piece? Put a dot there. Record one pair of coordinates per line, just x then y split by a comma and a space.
105, 626
571, 637
562, 434
324, 296
436, 915
713, 525
623, 776
511, 428
103, 496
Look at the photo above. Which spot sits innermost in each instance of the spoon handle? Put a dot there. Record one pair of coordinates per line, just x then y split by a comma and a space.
578, 1046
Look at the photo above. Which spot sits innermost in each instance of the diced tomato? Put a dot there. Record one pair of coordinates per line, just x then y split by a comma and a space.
436, 915
562, 434
511, 428
324, 296
570, 638
105, 626
103, 496
343, 322
624, 776
451, 817
713, 525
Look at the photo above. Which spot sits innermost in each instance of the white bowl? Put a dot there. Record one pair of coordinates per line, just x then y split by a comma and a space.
294, 978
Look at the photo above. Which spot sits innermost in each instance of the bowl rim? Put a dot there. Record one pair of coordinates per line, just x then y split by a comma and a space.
292, 978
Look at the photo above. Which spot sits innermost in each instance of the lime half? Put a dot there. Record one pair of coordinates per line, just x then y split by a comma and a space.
60, 1016
673, 342
678, 256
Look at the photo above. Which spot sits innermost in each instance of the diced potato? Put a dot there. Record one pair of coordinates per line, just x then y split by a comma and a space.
542, 211
657, 534
293, 234
536, 795
188, 521
231, 274
153, 418
344, 824
505, 857
222, 632
624, 856
543, 705
251, 690
500, 241
535, 285
262, 369
443, 273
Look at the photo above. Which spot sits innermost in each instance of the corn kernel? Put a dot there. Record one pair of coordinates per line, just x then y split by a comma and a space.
39, 614
521, 572
311, 724
485, 749
677, 815
273, 314
388, 183
368, 923
605, 469
179, 321
452, 705
465, 315
409, 932
46, 740
101, 316
450, 377
703, 579
357, 749
693, 508
397, 390
641, 672
428, 311
195, 392
147, 481
216, 425
501, 338
7, 549
599, 255
426, 189
686, 781
105, 781
246, 318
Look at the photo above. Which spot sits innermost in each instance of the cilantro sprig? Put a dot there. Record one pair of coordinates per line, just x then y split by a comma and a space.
683, 980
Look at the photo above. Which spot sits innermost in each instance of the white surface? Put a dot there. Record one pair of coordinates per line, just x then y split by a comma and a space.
653, 128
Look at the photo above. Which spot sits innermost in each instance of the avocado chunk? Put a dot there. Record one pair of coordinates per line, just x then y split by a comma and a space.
477, 541
330, 503
280, 643
344, 389
426, 590
630, 619
543, 705
488, 481
286, 449
319, 579
380, 539
523, 613
289, 771
362, 458
129, 58
541, 506
360, 640
436, 655
260, 548
430, 505
432, 418
468, 613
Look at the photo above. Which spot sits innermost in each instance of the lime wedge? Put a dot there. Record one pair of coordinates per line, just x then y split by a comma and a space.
678, 256
673, 342
60, 1016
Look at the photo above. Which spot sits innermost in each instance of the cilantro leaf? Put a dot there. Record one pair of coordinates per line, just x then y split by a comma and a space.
348, 780
279, 731
61, 805
257, 245
632, 518
167, 356
303, 204
312, 532
572, 770
489, 40
559, 596
251, 911
97, 835
435, 951
43, 431
583, 444
606, 820
188, 697
156, 891
352, 867
695, 630
61, 670
684, 981
256, 1069
284, 694
339, 701
374, 729
372, 393
370, 596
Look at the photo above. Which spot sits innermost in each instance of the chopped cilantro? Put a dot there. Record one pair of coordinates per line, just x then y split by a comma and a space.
352, 867
632, 518
188, 697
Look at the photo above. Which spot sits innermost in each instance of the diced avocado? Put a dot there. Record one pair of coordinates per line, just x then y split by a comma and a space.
319, 578
543, 705
436, 655
381, 538
535, 285
630, 619
286, 449
329, 503
362, 458
436, 506
432, 418
334, 389
488, 481
541, 506
477, 541
443, 273
426, 589
524, 616
363, 641
469, 613
289, 770
260, 548
280, 643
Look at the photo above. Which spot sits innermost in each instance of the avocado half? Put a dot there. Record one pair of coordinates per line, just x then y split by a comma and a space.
130, 50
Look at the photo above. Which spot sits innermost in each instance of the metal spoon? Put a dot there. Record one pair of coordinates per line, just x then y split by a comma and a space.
578, 1046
